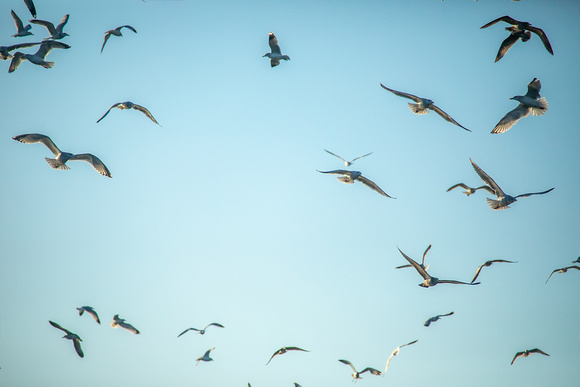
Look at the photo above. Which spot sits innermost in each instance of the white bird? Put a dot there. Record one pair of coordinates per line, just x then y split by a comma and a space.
130, 105
38, 57
70, 336
357, 375
276, 54
120, 322
422, 264
31, 7
436, 318
488, 263
62, 157
503, 200
470, 191
90, 311
116, 32
350, 176
5, 50
529, 103
201, 331
347, 163
562, 270
205, 357
422, 105
55, 33
527, 353
395, 353
21, 29
283, 350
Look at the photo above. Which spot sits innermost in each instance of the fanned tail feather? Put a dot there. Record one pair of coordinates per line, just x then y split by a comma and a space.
543, 107
48, 65
415, 108
495, 204
56, 164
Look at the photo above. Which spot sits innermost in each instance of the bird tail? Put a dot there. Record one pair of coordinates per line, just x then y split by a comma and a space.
56, 164
495, 204
48, 65
417, 109
541, 108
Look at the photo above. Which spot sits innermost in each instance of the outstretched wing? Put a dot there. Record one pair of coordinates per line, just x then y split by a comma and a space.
518, 354
273, 43
446, 116
458, 185
17, 21
129, 27
360, 157
327, 151
31, 7
62, 23
487, 180
57, 326
347, 362
48, 25
371, 370
424, 254
417, 267
372, 186
146, 112
401, 94
78, 349
506, 45
112, 107
187, 330
536, 350
477, 273
542, 35
533, 193
506, 19
94, 161
457, 282
107, 36
511, 118
213, 324
34, 138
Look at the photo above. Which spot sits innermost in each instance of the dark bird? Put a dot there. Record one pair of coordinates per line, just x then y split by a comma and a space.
90, 311
201, 331
276, 54
31, 7
577, 260
5, 50
283, 350
120, 322
116, 32
350, 176
130, 105
468, 190
435, 318
37, 58
55, 33
21, 30
357, 375
205, 357
347, 163
527, 353
562, 270
422, 261
488, 263
70, 336
514, 36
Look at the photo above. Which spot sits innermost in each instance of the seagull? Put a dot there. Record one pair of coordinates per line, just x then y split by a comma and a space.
347, 163
422, 262
488, 263
276, 54
120, 322
395, 353
296, 384
422, 105
62, 157
577, 260
55, 33
468, 190
31, 7
21, 30
527, 353
350, 176
435, 318
201, 331
431, 281
5, 50
529, 103
355, 374
38, 57
283, 350
205, 357
518, 30
71, 336
116, 32
504, 200
563, 270
130, 105
90, 311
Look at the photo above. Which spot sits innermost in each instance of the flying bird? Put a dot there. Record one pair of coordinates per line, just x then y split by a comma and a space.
31, 7
422, 105
55, 33
90, 311
527, 353
21, 29
201, 331
276, 54
395, 353
350, 176
5, 50
283, 350
62, 157
435, 318
562, 270
503, 200
347, 163
37, 58
518, 30
422, 261
428, 280
357, 375
577, 260
468, 190
205, 357
529, 103
120, 322
488, 263
116, 32
70, 336
130, 105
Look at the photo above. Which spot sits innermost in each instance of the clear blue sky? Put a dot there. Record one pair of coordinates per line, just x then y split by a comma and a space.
220, 216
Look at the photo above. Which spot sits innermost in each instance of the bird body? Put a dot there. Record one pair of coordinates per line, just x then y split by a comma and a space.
38, 57
436, 318
527, 353
275, 55
90, 311
70, 336
120, 322
283, 350
201, 331
116, 32
21, 29
349, 177
130, 105
55, 32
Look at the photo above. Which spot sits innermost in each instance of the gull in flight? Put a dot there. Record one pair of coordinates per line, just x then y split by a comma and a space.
529, 103
38, 57
276, 54
422, 261
428, 280
205, 357
21, 30
63, 157
468, 190
120, 322
31, 7
350, 176
5, 50
201, 331
116, 32
435, 318
488, 263
518, 30
527, 353
130, 105
503, 200
577, 260
283, 350
347, 163
55, 33
422, 105
395, 353
71, 336
562, 270
90, 311
357, 375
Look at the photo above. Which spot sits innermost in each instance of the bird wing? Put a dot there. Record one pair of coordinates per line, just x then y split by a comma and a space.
372, 186
77, 345
446, 116
16, 60
146, 112
533, 193
275, 353
129, 27
187, 330
347, 362
506, 45
448, 314
534, 89
487, 188
477, 273
31, 7
518, 354
551, 275
458, 185
412, 342
511, 118
62, 23
417, 267
388, 362
401, 94
107, 36
430, 320
536, 350
457, 282
21, 45
57, 326
273, 42
371, 370
34, 138
214, 324
542, 35
506, 19
403, 266
49, 26
424, 254
92, 312
47, 46
360, 157
17, 21
327, 151
487, 180
94, 161
104, 115
337, 172
296, 349
128, 327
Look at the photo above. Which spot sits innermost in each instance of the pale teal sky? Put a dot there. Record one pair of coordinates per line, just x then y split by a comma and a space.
220, 216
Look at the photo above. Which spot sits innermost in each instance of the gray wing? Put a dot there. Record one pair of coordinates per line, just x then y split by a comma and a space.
446, 116
417, 267
536, 350
94, 161
347, 362
187, 330
487, 180
62, 23
21, 45
412, 342
533, 193
128, 327
511, 118
17, 21
16, 60
542, 35
107, 36
129, 27
112, 107
34, 138
48, 45
57, 326
534, 89
93, 313
146, 112
372, 186
403, 266
273, 42
371, 370
213, 324
458, 185
424, 254
485, 187
506, 19
31, 7
77, 345
48, 25
506, 45
327, 151
360, 157
477, 273
401, 94
337, 172
457, 282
